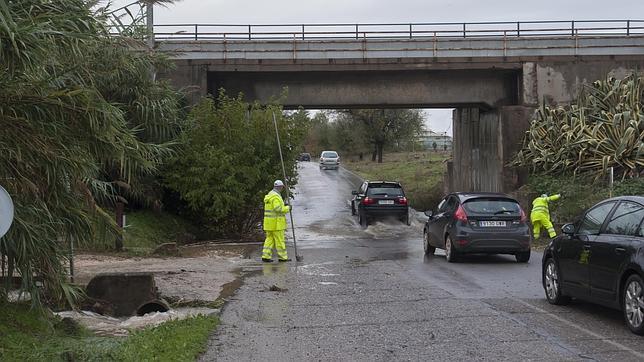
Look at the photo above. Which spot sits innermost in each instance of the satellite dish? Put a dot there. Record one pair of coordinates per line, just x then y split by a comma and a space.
6, 211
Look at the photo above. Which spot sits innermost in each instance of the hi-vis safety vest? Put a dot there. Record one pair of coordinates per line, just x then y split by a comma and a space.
274, 211
540, 204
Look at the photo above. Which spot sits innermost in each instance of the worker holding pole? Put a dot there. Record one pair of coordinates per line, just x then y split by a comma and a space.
275, 211
266, 256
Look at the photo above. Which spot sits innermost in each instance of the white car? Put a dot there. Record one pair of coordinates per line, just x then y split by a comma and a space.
329, 159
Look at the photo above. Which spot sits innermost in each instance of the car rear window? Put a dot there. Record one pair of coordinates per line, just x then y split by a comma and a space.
329, 154
492, 207
389, 190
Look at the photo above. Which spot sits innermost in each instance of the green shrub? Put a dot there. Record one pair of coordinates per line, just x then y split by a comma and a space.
229, 159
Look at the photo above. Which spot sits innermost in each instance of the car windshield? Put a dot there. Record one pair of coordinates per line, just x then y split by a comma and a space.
382, 190
492, 207
329, 154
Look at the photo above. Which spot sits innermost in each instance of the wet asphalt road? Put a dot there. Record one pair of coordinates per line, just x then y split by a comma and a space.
371, 295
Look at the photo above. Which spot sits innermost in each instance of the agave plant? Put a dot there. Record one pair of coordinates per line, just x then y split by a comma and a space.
604, 129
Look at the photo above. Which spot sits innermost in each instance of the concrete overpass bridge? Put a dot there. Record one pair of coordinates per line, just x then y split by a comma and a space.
494, 74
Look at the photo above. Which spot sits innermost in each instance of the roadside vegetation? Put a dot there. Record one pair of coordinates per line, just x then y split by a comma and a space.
571, 149
229, 158
88, 129
29, 336
420, 173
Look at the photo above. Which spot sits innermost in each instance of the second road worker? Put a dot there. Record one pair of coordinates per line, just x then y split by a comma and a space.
540, 215
275, 224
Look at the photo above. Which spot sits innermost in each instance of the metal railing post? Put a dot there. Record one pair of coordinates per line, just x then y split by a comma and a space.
357, 37
572, 28
249, 32
518, 29
302, 31
464, 32
628, 27
435, 45
196, 31
410, 31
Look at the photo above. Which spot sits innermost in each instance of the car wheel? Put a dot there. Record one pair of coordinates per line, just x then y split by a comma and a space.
523, 257
450, 253
362, 219
353, 208
552, 283
633, 304
429, 249
406, 220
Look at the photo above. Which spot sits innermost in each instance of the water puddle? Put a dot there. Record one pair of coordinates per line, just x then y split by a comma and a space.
327, 283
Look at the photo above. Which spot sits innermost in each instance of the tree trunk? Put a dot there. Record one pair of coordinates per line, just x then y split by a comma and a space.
374, 154
380, 147
119, 221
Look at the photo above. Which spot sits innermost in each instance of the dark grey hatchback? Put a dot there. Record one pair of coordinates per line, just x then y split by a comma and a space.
600, 258
477, 223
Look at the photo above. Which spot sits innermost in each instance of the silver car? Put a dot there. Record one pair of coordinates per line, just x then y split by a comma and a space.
329, 159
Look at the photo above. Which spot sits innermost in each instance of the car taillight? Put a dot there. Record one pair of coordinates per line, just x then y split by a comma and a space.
460, 214
402, 200
368, 201
524, 218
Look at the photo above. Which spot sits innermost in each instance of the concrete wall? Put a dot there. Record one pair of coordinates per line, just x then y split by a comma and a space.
484, 144
559, 82
477, 163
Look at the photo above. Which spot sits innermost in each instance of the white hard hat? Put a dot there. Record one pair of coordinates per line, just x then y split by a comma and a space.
544, 195
278, 183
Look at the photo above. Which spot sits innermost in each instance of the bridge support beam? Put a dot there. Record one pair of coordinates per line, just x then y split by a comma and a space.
484, 143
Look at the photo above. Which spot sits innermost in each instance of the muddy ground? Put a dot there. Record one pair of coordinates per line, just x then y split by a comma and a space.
199, 274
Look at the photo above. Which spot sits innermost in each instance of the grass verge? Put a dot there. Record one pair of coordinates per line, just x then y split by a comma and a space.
148, 229
27, 335
420, 173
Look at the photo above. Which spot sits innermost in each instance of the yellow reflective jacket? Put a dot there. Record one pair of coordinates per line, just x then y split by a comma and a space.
274, 211
540, 204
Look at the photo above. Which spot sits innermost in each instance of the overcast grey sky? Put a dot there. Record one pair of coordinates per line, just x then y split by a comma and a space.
390, 11
351, 11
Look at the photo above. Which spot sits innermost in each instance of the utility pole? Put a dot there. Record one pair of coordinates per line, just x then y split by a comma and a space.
149, 22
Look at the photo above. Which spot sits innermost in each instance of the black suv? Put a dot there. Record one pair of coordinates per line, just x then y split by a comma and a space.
304, 156
379, 199
600, 258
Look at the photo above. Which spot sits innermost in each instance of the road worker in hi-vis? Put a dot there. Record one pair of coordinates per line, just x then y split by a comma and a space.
275, 224
540, 215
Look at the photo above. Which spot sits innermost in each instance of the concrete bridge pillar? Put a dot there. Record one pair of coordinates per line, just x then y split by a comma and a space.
484, 142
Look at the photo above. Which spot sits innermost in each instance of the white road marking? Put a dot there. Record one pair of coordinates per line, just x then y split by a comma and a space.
578, 327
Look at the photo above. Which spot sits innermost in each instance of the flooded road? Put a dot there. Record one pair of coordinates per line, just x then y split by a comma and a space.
370, 294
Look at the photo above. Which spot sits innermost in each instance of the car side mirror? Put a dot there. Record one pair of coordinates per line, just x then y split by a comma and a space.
429, 213
354, 192
568, 229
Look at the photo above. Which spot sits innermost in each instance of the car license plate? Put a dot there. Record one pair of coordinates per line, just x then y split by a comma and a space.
386, 202
492, 223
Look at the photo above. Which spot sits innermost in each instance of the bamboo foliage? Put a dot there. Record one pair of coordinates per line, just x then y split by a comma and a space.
605, 128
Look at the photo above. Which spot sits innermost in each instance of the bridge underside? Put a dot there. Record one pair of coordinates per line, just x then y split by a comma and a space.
375, 89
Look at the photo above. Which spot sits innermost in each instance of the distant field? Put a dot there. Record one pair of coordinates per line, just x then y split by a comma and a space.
420, 173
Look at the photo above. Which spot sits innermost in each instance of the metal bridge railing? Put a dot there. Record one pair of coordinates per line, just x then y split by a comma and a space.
499, 29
